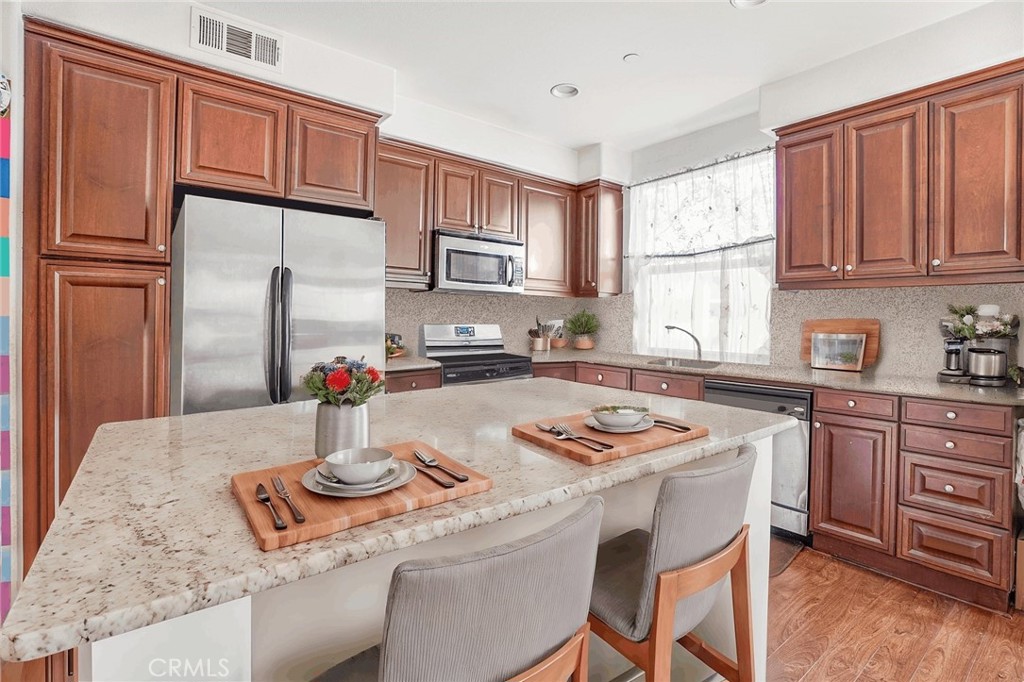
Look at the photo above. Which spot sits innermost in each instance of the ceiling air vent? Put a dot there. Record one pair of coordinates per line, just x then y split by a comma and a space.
224, 35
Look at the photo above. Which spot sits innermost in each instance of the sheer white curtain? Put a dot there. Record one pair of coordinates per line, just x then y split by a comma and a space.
701, 256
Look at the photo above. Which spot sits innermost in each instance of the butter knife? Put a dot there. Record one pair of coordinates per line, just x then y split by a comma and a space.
672, 425
263, 496
283, 493
434, 477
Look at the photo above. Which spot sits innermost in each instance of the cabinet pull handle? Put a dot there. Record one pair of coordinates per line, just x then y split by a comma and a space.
413, 384
951, 415
161, 248
948, 488
851, 403
600, 377
817, 425
849, 268
936, 262
834, 268
161, 281
664, 386
950, 445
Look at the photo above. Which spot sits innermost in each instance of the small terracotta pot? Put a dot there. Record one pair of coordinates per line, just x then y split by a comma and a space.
583, 342
559, 342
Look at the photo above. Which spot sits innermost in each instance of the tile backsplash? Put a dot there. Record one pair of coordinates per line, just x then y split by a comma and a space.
911, 343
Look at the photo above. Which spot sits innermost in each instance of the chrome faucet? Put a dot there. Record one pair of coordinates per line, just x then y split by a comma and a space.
670, 327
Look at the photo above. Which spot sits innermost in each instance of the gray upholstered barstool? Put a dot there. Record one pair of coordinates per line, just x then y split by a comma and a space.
514, 611
652, 589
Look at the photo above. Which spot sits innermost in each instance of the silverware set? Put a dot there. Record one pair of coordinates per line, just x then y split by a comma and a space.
562, 431
262, 495
430, 463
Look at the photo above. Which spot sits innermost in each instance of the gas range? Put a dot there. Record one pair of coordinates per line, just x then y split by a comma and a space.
472, 353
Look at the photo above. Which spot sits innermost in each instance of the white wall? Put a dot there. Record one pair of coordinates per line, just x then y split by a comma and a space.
970, 41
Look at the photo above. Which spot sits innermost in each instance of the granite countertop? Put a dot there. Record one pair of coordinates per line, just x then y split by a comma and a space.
410, 363
803, 374
149, 529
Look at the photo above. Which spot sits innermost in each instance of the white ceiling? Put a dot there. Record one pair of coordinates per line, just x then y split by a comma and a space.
701, 61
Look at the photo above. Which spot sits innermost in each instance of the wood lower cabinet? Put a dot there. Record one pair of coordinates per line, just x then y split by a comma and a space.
603, 375
109, 124
665, 383
976, 209
547, 214
809, 241
960, 548
414, 380
403, 198
886, 193
231, 138
561, 370
106, 343
853, 467
973, 492
331, 157
599, 239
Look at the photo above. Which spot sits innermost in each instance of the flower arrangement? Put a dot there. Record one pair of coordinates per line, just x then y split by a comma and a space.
343, 380
966, 323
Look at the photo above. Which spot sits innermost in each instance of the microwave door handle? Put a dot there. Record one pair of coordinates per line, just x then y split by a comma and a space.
511, 271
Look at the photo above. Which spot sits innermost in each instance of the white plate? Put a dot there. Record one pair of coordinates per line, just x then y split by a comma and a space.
406, 472
644, 424
326, 479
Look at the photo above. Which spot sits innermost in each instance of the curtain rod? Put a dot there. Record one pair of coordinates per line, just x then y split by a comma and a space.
762, 240
731, 157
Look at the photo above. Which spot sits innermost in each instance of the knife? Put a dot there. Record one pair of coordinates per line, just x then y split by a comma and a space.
263, 496
671, 425
434, 477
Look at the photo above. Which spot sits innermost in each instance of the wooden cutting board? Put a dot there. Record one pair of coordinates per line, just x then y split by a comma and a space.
328, 515
871, 328
626, 444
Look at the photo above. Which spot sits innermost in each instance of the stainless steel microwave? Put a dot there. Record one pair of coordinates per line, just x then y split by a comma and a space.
476, 263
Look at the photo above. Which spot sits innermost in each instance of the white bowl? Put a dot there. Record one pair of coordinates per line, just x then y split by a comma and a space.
359, 465
619, 416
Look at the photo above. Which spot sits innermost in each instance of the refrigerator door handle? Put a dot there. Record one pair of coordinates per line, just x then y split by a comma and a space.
273, 375
286, 334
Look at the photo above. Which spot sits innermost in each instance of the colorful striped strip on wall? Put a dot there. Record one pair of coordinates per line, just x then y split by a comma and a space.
5, 363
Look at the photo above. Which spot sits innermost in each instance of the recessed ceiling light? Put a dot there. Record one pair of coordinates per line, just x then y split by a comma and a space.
631, 57
744, 4
565, 90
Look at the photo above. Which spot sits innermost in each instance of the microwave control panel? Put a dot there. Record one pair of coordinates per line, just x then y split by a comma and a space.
518, 271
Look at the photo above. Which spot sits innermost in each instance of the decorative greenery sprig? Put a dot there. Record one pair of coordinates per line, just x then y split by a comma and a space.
343, 380
582, 323
966, 325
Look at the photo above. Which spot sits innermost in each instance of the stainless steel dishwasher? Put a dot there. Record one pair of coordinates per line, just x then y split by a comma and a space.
791, 448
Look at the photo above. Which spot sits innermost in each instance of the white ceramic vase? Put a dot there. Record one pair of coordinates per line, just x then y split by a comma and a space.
340, 427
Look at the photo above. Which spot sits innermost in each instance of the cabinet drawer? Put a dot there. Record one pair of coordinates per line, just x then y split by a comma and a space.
674, 385
602, 375
960, 548
863, 404
976, 447
964, 416
565, 371
412, 381
971, 491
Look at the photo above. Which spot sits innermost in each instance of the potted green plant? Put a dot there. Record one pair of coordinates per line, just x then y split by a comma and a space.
582, 325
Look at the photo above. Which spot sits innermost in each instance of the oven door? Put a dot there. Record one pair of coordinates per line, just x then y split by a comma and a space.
478, 265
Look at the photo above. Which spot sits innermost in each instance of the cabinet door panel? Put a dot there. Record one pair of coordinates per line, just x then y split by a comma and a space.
586, 242
602, 375
976, 188
330, 157
956, 547
230, 138
547, 215
110, 124
809, 205
499, 203
106, 335
853, 487
971, 491
565, 371
404, 194
456, 200
887, 193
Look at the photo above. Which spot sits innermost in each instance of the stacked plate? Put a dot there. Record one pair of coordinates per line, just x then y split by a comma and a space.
320, 480
644, 424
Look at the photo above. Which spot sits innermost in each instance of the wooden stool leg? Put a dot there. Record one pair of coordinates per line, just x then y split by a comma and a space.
742, 619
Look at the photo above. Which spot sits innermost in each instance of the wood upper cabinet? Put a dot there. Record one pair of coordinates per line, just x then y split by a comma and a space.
109, 125
458, 194
330, 157
976, 175
853, 487
499, 203
810, 205
106, 350
598, 247
547, 214
403, 197
231, 138
886, 193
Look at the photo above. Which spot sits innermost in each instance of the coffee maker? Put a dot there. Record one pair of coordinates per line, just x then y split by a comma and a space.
954, 372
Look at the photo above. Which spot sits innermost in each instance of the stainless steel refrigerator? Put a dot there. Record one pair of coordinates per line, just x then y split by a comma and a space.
261, 293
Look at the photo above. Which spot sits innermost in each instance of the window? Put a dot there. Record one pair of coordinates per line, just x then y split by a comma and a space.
701, 256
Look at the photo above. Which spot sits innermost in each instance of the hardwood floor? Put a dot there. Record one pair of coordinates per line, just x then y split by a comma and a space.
829, 620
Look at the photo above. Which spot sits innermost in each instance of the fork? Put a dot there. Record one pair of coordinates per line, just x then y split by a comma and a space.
433, 463
283, 493
569, 433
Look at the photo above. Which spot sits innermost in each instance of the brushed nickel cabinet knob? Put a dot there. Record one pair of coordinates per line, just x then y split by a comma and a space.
161, 281
834, 268
664, 386
161, 248
851, 403
936, 262
817, 425
948, 488
849, 268
950, 445
413, 384
951, 415
600, 377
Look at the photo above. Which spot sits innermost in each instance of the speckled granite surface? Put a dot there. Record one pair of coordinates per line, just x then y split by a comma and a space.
410, 363
149, 529
803, 374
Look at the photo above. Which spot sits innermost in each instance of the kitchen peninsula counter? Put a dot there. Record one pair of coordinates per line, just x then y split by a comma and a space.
802, 375
150, 531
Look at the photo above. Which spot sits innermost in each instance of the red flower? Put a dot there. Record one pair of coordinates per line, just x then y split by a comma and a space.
373, 374
338, 380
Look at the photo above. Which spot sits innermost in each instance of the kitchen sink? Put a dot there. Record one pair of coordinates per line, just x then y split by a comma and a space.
680, 362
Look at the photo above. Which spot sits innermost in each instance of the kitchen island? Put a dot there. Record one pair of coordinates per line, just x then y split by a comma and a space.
150, 558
